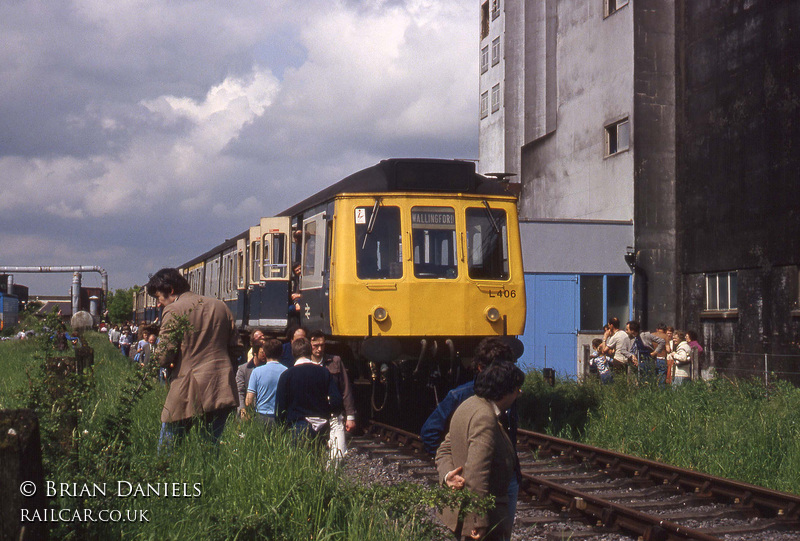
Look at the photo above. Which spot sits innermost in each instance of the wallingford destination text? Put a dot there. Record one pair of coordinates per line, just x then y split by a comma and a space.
124, 489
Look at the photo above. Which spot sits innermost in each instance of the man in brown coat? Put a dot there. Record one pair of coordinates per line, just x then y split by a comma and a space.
477, 453
196, 336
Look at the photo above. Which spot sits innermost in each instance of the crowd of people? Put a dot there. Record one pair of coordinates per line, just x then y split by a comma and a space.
664, 354
298, 385
137, 343
294, 384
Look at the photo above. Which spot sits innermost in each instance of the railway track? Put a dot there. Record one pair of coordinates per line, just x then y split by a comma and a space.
575, 491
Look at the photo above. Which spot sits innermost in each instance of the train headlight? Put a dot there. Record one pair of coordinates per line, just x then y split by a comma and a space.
492, 314
380, 314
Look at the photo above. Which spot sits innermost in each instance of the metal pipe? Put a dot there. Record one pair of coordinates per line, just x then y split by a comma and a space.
72, 268
423, 348
76, 292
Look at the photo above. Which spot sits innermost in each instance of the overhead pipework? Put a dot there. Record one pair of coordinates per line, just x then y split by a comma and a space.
76, 271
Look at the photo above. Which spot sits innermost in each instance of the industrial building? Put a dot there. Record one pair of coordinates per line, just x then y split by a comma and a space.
655, 144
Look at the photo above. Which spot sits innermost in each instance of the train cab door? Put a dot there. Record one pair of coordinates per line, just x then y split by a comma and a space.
313, 290
275, 279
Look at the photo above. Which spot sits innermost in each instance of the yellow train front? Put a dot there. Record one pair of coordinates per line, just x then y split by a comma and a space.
407, 265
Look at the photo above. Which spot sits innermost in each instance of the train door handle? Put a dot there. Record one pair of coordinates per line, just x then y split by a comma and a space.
462, 247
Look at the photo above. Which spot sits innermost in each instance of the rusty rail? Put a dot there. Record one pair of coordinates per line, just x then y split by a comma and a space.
768, 502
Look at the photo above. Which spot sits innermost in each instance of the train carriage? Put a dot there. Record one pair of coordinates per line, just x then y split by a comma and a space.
405, 265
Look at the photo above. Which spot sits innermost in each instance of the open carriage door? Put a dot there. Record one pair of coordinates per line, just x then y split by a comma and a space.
272, 291
314, 300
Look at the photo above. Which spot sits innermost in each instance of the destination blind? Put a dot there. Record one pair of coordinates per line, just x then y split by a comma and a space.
433, 218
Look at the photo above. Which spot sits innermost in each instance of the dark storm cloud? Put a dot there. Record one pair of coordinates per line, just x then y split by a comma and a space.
135, 136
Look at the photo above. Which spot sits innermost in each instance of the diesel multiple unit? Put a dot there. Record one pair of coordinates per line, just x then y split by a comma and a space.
405, 266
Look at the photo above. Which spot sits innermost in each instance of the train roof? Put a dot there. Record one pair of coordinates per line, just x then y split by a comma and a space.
229, 243
408, 175
392, 175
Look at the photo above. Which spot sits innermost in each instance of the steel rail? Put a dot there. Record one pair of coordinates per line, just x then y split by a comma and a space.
609, 514
773, 502
649, 527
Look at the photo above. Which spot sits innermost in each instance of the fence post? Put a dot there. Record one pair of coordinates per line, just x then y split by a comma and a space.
766, 371
22, 488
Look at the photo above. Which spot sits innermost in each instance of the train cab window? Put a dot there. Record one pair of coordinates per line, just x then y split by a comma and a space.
434, 239
487, 244
379, 248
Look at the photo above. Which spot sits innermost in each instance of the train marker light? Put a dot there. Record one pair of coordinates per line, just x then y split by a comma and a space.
492, 314
380, 314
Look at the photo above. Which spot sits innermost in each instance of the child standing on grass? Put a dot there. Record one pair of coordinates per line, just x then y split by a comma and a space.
602, 362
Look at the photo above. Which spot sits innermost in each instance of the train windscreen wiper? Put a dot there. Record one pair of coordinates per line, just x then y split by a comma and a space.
371, 224
491, 216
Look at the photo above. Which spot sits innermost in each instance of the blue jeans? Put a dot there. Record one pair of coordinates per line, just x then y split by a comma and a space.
649, 367
265, 419
302, 430
211, 424
661, 371
513, 495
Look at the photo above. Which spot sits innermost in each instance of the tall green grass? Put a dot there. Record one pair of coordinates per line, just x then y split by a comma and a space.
255, 484
16, 358
736, 429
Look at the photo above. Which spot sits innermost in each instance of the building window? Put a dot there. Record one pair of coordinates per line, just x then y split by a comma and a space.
496, 98
612, 6
495, 9
722, 291
495, 51
618, 137
485, 104
601, 298
485, 19
485, 59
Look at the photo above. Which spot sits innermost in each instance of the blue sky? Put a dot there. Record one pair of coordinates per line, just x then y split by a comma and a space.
136, 135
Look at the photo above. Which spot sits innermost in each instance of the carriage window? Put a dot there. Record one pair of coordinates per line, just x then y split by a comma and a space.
434, 236
240, 268
309, 248
487, 244
379, 253
255, 252
279, 266
274, 261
